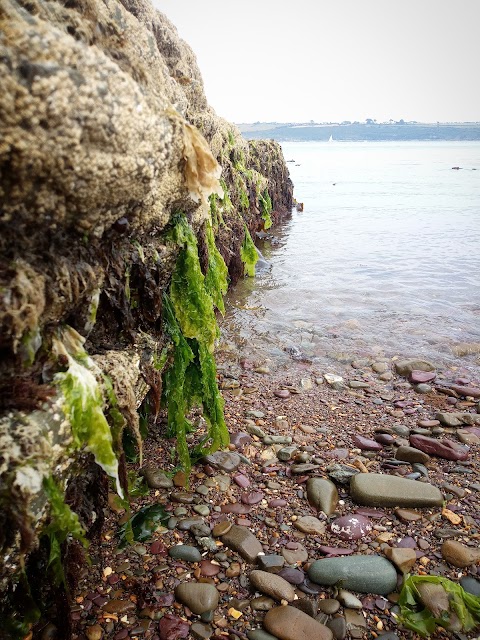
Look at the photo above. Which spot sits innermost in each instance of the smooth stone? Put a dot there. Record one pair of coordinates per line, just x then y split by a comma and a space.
254, 497
272, 563
380, 367
329, 606
240, 439
225, 460
355, 620
459, 554
322, 494
241, 480
365, 574
272, 585
405, 367
466, 437
282, 393
277, 502
260, 634
410, 454
455, 419
185, 552
303, 468
236, 507
268, 440
201, 631
119, 606
199, 597
442, 448
202, 509
262, 603
287, 453
382, 490
255, 430
470, 585
384, 438
334, 551
351, 527
402, 558
293, 576
342, 473
186, 523
209, 569
421, 377
401, 430
182, 496
295, 556
289, 623
408, 515
338, 626
221, 528
156, 478
366, 444
358, 384
241, 540
307, 606
310, 525
347, 599
422, 388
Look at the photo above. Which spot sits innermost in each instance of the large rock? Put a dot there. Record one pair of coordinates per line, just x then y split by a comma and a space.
322, 494
459, 554
382, 490
272, 585
442, 448
366, 574
241, 540
199, 597
289, 623
105, 135
405, 367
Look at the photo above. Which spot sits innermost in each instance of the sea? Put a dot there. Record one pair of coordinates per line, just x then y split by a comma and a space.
383, 261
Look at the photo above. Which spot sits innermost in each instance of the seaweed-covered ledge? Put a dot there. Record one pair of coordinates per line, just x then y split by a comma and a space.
127, 206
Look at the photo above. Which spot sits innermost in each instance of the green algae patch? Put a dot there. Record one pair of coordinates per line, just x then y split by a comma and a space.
266, 209
429, 601
190, 299
216, 279
142, 526
63, 523
189, 321
83, 402
248, 254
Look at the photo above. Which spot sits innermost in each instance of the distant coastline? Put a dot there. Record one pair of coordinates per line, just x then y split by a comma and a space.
359, 131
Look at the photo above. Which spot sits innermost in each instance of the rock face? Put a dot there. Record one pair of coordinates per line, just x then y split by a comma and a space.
381, 490
366, 574
106, 136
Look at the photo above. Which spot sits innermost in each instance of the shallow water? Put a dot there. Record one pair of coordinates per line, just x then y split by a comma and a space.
384, 260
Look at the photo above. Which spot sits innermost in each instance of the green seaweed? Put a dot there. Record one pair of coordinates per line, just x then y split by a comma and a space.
83, 402
189, 320
266, 209
415, 616
63, 523
248, 254
137, 487
190, 299
226, 201
216, 282
29, 345
142, 525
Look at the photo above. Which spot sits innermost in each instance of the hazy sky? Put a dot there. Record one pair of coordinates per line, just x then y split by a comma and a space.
334, 60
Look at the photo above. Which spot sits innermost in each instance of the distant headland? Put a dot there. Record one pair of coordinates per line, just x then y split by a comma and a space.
357, 131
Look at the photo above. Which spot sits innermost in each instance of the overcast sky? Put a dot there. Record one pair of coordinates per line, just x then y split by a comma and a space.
334, 60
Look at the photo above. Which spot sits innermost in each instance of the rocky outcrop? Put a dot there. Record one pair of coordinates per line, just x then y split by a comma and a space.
106, 140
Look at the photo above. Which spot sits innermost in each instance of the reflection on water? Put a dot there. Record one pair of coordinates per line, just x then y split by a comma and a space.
384, 259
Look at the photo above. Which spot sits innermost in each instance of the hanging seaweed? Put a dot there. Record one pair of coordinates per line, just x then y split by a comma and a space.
190, 322
248, 254
83, 402
63, 523
266, 208
216, 283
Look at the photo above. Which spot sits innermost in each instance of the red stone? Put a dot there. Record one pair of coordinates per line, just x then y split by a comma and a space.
442, 448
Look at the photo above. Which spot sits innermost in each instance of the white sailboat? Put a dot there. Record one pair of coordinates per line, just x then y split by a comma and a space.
330, 139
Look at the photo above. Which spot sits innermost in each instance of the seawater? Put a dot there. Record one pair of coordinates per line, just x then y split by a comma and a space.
383, 261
